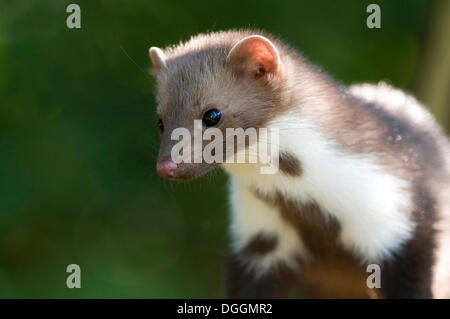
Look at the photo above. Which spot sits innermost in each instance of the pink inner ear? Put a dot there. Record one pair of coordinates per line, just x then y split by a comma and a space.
255, 57
263, 55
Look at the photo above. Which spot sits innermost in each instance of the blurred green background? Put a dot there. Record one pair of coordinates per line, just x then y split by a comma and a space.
78, 139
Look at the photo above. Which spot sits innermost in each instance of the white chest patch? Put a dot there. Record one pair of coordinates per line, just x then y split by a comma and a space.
371, 205
251, 216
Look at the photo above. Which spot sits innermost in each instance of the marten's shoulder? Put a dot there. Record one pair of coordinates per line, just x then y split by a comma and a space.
417, 135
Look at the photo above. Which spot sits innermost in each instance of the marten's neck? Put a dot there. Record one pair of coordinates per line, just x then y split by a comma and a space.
369, 203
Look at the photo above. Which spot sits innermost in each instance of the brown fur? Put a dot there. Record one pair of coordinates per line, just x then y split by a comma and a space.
242, 282
260, 245
332, 272
289, 164
387, 122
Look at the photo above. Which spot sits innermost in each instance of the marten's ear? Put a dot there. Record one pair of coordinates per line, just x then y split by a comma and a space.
255, 56
158, 59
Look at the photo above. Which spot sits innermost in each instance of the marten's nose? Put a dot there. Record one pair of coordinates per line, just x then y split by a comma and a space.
166, 168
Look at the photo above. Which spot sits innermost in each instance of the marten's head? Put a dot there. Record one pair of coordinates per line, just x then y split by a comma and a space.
220, 80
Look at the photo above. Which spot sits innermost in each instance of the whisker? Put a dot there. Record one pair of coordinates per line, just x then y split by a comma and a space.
136, 64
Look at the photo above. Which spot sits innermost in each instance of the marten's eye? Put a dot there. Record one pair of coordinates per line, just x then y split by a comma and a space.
160, 125
212, 117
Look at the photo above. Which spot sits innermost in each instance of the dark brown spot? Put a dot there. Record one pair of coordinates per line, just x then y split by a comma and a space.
332, 272
289, 164
242, 282
260, 244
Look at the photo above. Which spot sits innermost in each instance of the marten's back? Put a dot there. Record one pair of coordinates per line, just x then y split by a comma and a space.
435, 172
